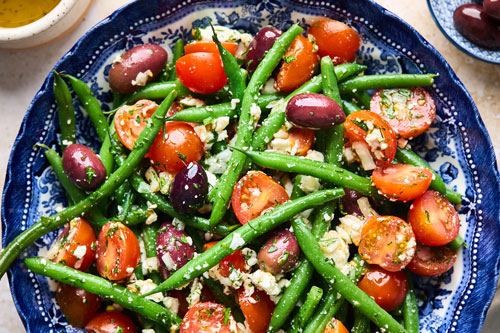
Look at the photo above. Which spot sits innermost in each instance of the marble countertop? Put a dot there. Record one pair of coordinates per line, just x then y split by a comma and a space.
23, 72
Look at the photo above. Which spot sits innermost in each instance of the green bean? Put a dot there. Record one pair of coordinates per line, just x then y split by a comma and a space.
340, 282
232, 70
134, 217
325, 171
103, 288
106, 156
178, 52
149, 236
386, 81
156, 91
117, 99
361, 323
327, 309
410, 308
345, 71
341, 314
349, 107
329, 80
247, 122
307, 309
164, 206
457, 243
244, 234
409, 157
65, 111
201, 113
47, 224
360, 98
296, 190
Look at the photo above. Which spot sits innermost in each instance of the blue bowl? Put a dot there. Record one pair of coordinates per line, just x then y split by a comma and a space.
442, 13
457, 145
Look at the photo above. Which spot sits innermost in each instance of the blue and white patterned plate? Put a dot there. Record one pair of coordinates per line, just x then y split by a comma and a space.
442, 12
457, 145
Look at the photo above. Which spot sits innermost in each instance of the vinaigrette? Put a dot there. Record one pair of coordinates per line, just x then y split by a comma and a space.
16, 13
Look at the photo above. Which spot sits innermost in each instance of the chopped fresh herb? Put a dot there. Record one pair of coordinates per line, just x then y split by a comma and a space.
227, 313
182, 156
197, 34
289, 59
360, 124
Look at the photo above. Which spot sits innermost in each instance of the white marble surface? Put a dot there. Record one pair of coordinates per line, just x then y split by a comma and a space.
22, 73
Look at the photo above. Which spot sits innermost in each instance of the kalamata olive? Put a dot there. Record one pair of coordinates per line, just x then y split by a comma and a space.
136, 67
350, 202
189, 188
83, 167
492, 8
476, 26
174, 248
280, 253
314, 111
262, 42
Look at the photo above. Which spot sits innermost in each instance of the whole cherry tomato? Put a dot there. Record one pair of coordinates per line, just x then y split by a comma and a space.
409, 112
201, 72
298, 66
75, 246
335, 39
111, 322
257, 309
255, 194
208, 317
387, 241
432, 260
176, 146
118, 251
434, 219
402, 182
77, 305
387, 288
210, 47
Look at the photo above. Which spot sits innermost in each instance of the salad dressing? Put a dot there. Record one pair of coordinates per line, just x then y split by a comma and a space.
18, 13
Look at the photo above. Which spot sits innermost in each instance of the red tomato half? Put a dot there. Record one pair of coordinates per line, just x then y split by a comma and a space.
298, 66
369, 127
234, 260
77, 305
208, 318
130, 120
75, 246
402, 182
255, 194
176, 146
434, 219
335, 39
118, 251
335, 326
111, 322
387, 241
210, 47
257, 309
387, 288
432, 260
302, 138
201, 72
410, 112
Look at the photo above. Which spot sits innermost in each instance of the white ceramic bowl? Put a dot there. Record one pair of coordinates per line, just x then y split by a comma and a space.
66, 15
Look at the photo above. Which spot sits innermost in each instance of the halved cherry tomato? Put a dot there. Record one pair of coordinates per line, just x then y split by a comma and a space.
210, 47
370, 128
111, 322
335, 39
201, 72
402, 182
208, 318
298, 66
302, 138
434, 219
432, 260
255, 194
130, 120
230, 262
77, 305
335, 326
387, 288
176, 146
410, 112
257, 309
387, 241
118, 251
75, 246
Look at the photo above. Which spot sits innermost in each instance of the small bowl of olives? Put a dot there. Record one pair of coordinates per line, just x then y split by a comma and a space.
472, 26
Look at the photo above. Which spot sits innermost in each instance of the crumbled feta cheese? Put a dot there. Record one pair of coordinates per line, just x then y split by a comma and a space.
206, 136
309, 184
80, 251
269, 87
315, 155
150, 264
234, 103
153, 179
191, 101
250, 257
171, 303
169, 262
266, 282
148, 330
219, 124
236, 242
217, 164
195, 293
335, 247
145, 286
142, 78
352, 225
166, 179
178, 224
222, 136
255, 112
